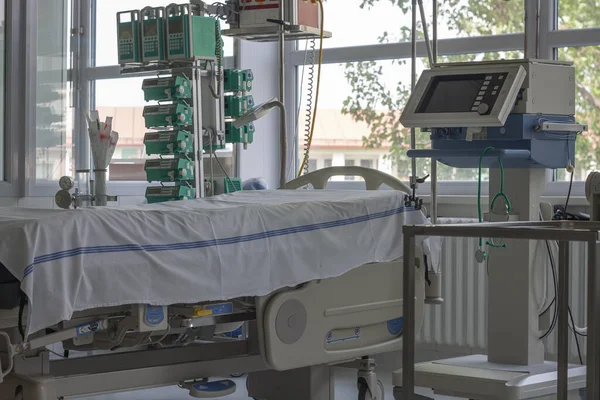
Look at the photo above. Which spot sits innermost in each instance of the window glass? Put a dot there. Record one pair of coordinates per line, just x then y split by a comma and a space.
123, 99
349, 163
54, 115
2, 68
381, 21
587, 150
358, 116
106, 27
576, 14
366, 163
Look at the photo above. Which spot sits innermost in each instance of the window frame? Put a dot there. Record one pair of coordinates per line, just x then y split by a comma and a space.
17, 37
541, 42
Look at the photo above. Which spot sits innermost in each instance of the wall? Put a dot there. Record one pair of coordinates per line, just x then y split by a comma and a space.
261, 159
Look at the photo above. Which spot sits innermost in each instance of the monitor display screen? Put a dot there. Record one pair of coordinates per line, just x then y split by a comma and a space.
176, 25
451, 94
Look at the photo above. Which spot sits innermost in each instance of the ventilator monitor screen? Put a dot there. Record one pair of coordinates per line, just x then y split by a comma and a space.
451, 94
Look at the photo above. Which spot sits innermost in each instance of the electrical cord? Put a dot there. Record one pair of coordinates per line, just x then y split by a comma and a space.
576, 337
309, 106
314, 116
216, 93
22, 303
499, 195
569, 193
555, 281
301, 96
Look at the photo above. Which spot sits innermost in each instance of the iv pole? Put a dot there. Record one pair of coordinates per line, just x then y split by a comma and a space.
432, 56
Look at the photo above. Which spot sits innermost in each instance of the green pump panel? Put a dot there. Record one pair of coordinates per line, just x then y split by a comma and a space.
236, 80
204, 31
169, 170
236, 106
167, 89
153, 34
169, 142
163, 115
248, 78
244, 135
128, 36
160, 194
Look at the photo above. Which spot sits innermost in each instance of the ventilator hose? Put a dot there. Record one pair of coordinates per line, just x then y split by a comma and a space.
309, 104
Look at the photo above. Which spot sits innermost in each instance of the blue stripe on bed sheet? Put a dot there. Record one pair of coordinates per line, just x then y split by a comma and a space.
209, 243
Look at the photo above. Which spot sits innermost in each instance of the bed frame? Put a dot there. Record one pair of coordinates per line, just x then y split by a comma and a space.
291, 337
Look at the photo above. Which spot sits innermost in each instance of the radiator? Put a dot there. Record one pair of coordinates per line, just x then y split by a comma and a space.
459, 326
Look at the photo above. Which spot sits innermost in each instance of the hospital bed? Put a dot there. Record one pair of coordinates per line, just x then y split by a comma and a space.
105, 300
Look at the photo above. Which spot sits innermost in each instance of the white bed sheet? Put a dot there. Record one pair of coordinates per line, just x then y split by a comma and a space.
243, 244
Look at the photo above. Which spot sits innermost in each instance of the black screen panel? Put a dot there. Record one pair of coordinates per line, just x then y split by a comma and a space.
451, 94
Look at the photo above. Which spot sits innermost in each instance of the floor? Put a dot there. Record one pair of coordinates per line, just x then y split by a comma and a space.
345, 389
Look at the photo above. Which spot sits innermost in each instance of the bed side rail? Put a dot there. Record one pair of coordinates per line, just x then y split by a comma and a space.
374, 179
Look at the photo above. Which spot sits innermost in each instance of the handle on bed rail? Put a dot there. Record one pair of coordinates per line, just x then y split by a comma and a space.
10, 355
373, 178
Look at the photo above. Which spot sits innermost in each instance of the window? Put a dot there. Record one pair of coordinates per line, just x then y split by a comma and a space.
123, 99
54, 115
577, 14
384, 21
106, 27
366, 163
349, 163
587, 151
327, 163
312, 165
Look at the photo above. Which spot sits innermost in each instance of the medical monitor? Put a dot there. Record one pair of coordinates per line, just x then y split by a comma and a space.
464, 96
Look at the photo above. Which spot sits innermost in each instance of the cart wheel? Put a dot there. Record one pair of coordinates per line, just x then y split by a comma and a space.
365, 394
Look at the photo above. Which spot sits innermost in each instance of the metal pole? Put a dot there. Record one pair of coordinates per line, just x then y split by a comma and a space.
282, 131
563, 320
434, 170
426, 34
284, 149
434, 28
198, 142
413, 80
593, 318
408, 305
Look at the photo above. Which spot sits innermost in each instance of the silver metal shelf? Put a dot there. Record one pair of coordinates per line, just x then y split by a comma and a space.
271, 34
173, 67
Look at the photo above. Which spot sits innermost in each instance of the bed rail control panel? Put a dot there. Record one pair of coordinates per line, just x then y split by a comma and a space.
152, 318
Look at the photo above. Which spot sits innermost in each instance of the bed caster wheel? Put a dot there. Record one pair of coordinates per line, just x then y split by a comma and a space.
365, 394
211, 390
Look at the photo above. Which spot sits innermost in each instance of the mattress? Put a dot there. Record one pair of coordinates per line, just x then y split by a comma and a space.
224, 247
